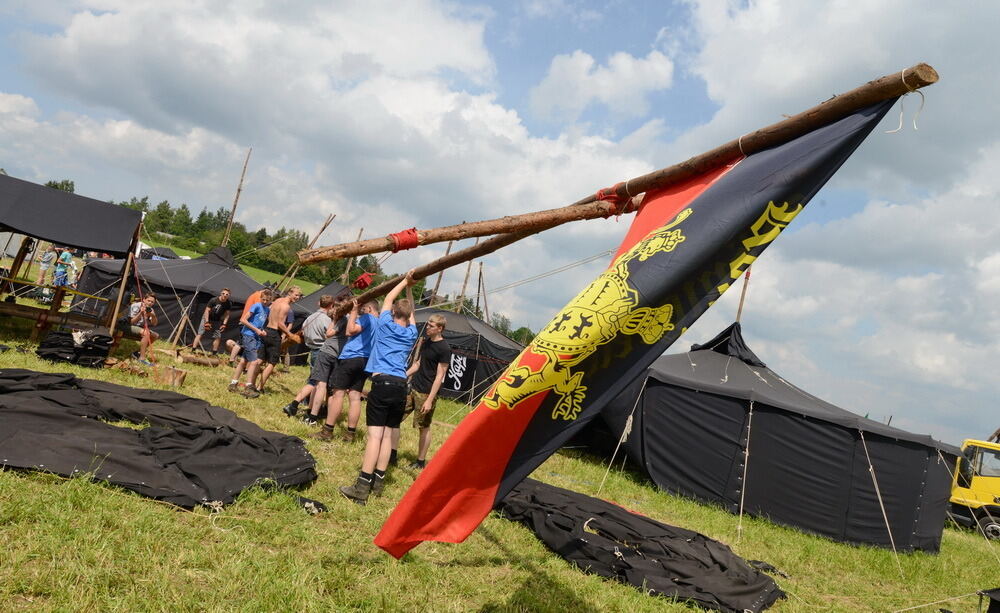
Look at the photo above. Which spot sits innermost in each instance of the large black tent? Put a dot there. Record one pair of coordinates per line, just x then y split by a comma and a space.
65, 218
182, 287
479, 353
716, 424
311, 302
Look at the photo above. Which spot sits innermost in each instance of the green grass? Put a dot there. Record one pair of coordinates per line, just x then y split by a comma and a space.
74, 544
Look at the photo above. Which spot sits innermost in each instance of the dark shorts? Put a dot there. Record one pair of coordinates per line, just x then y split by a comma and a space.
251, 345
322, 368
386, 401
271, 345
415, 400
350, 375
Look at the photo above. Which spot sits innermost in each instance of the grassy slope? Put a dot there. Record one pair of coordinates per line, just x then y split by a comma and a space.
71, 544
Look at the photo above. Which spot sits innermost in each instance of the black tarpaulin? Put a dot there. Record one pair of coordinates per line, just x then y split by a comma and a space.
808, 461
191, 452
605, 539
64, 218
479, 353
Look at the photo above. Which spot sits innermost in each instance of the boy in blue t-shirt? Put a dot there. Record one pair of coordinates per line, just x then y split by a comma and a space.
395, 333
350, 374
253, 323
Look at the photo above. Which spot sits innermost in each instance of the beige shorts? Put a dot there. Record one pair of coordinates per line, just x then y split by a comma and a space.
415, 400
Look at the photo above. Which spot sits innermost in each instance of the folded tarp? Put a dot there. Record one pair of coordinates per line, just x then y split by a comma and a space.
191, 453
605, 539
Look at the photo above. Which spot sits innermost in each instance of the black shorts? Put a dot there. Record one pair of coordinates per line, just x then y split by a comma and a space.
350, 375
322, 368
386, 401
271, 346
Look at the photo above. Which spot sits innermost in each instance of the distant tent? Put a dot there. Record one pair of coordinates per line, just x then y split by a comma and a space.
480, 353
181, 287
311, 302
808, 460
158, 253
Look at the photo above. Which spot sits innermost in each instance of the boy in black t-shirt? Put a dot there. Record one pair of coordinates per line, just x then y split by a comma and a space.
214, 321
426, 376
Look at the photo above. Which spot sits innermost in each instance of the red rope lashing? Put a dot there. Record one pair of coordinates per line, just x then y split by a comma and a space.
610, 194
407, 239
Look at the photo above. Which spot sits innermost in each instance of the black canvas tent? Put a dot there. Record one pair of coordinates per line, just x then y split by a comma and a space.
716, 424
479, 353
181, 287
158, 253
65, 218
310, 303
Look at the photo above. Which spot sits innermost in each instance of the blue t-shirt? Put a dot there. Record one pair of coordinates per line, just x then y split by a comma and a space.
258, 317
391, 346
360, 345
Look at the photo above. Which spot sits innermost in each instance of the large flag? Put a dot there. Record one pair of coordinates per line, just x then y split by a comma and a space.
685, 248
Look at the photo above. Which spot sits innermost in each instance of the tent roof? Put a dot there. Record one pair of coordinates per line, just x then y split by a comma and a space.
65, 218
717, 367
311, 302
208, 273
163, 252
467, 324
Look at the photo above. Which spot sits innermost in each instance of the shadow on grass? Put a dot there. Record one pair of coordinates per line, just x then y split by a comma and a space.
538, 592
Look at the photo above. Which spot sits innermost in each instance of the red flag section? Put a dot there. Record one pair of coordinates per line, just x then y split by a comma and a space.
688, 245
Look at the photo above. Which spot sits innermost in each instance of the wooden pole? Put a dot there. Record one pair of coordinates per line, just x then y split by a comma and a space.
743, 294
479, 287
482, 284
346, 277
465, 284
236, 199
294, 268
121, 292
827, 112
437, 284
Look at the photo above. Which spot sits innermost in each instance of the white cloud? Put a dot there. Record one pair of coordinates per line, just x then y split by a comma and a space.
576, 81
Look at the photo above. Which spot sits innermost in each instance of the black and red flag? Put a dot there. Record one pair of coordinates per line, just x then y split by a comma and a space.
686, 246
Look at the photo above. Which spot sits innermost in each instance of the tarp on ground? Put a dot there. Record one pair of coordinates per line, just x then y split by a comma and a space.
808, 459
180, 286
64, 218
479, 353
190, 453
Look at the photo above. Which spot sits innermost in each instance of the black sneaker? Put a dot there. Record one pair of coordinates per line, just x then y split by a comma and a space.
291, 409
310, 419
418, 464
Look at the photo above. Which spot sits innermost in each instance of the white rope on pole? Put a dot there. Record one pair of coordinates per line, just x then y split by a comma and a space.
626, 430
743, 483
881, 504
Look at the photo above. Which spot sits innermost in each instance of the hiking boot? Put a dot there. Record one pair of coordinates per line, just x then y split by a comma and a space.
251, 392
325, 434
358, 492
418, 464
291, 409
234, 387
312, 420
348, 436
378, 484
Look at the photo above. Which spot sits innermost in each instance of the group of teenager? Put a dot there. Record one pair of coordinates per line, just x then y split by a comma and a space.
368, 343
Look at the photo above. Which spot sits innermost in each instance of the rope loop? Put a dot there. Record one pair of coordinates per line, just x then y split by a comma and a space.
407, 239
610, 195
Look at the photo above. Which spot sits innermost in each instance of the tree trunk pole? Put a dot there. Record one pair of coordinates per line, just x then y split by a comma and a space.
121, 292
479, 287
347, 269
236, 199
743, 294
835, 108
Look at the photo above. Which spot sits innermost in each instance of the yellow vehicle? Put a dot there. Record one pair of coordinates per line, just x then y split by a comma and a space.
975, 491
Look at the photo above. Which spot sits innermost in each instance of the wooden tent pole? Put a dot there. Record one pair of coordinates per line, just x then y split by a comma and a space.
346, 277
743, 294
479, 286
465, 284
437, 284
835, 108
236, 199
482, 288
294, 268
121, 293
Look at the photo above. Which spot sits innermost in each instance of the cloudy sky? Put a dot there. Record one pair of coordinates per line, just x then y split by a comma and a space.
883, 297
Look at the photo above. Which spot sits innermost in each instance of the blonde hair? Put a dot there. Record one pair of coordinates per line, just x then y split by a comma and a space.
439, 319
402, 309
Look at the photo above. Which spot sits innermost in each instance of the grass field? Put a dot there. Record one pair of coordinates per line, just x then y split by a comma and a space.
77, 545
